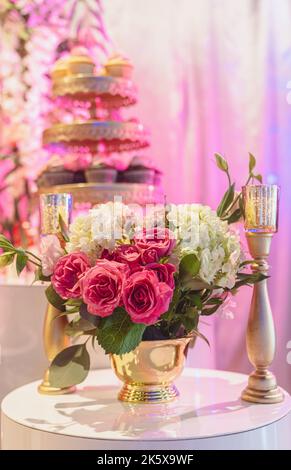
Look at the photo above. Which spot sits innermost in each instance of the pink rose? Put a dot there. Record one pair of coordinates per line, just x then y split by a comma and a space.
164, 272
145, 298
51, 251
130, 255
155, 243
106, 254
102, 287
68, 271
149, 255
126, 254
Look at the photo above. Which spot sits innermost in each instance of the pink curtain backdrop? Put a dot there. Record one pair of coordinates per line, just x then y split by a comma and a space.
214, 75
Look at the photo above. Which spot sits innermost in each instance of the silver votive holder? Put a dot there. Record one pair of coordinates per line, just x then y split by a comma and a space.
261, 207
52, 206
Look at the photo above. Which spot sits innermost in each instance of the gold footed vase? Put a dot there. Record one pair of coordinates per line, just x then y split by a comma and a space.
148, 372
55, 340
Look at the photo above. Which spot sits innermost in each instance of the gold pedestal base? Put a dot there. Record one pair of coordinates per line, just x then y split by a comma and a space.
141, 393
46, 389
260, 396
262, 388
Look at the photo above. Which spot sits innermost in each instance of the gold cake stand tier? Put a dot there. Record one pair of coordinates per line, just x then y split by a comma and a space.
113, 91
114, 135
99, 193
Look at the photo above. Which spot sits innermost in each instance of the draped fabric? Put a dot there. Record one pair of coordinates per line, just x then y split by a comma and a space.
215, 75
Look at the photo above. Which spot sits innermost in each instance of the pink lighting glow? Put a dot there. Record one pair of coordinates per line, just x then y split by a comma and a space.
213, 76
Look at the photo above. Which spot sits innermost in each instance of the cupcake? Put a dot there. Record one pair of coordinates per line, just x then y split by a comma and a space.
79, 176
54, 176
60, 69
80, 64
118, 66
101, 173
139, 171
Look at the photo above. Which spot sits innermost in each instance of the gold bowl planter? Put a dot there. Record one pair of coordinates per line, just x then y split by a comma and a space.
148, 372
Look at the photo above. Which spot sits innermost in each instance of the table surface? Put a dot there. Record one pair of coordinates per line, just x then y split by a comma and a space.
209, 406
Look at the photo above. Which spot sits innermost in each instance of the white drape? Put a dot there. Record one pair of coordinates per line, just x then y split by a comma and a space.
214, 75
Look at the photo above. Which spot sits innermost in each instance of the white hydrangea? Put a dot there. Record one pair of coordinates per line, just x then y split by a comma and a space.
81, 239
200, 231
103, 227
114, 221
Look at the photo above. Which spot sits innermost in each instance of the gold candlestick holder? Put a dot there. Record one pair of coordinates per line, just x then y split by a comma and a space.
261, 222
54, 337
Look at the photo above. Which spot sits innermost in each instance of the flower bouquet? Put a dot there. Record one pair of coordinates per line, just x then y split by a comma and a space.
138, 283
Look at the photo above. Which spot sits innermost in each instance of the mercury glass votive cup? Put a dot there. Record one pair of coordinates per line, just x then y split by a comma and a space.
261, 207
51, 207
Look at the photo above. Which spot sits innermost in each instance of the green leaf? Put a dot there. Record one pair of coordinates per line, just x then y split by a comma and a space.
226, 201
239, 284
252, 162
64, 229
78, 327
73, 305
6, 259
189, 266
210, 311
246, 262
61, 314
248, 279
214, 301
234, 217
21, 261
167, 316
191, 312
70, 366
200, 335
259, 178
195, 299
5, 244
118, 334
190, 319
54, 299
221, 162
72, 309
189, 323
247, 276
74, 302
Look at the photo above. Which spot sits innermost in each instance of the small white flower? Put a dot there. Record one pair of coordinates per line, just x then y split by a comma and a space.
51, 251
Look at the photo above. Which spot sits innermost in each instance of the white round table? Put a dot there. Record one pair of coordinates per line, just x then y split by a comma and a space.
208, 415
